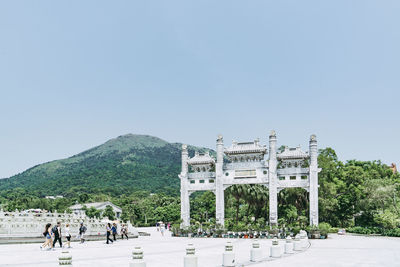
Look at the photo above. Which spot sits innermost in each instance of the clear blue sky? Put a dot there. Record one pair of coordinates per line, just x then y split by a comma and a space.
74, 74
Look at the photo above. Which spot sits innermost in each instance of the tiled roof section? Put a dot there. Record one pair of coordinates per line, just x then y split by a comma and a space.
247, 147
293, 153
201, 158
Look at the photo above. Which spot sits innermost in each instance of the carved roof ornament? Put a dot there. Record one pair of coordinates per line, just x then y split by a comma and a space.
313, 137
184, 147
201, 158
246, 147
273, 133
293, 153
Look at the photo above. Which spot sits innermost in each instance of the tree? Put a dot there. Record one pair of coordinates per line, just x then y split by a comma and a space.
109, 212
387, 219
92, 212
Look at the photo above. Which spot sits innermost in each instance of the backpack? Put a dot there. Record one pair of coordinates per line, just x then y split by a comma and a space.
54, 230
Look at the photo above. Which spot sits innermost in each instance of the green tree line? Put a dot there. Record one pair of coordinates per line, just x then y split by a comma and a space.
354, 193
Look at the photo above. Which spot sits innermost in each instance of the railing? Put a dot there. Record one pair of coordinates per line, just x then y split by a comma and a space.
293, 183
244, 165
21, 224
293, 171
201, 175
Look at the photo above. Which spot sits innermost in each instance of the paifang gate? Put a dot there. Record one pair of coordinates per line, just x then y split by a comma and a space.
290, 168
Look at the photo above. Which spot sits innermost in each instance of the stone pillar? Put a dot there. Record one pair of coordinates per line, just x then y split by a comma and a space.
219, 184
272, 175
313, 190
185, 203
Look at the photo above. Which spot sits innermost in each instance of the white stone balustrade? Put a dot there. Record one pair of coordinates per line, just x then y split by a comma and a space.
28, 224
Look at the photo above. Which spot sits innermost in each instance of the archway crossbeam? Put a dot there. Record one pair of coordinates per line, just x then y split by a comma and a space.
287, 169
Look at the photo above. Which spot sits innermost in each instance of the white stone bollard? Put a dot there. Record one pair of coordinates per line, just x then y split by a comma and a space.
282, 246
228, 257
288, 245
255, 252
137, 258
190, 259
276, 250
65, 258
303, 239
297, 243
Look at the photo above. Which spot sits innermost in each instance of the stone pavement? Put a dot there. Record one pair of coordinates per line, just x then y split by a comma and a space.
168, 251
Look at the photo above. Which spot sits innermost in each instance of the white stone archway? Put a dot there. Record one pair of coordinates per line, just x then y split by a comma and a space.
290, 168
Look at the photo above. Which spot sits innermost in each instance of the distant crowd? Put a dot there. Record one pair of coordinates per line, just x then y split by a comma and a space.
161, 227
55, 233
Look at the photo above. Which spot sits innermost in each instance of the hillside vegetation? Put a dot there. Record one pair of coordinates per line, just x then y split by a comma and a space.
124, 164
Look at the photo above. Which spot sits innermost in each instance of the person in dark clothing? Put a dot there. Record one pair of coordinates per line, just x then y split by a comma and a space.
57, 234
114, 231
108, 228
82, 230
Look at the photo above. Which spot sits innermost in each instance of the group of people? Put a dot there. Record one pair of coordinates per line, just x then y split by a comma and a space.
54, 234
113, 230
162, 226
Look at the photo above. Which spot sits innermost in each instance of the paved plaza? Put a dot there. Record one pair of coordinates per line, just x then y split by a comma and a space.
169, 251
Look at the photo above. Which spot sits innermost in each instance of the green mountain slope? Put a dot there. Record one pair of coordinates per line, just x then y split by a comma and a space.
124, 164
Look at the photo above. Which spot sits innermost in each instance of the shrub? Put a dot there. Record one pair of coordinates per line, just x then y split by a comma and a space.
365, 230
387, 220
333, 230
324, 228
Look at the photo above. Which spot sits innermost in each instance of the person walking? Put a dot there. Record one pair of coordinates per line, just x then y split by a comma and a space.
114, 231
162, 227
57, 234
82, 230
68, 235
108, 233
47, 234
124, 231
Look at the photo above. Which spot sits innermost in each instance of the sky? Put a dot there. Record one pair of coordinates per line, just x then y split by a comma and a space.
74, 74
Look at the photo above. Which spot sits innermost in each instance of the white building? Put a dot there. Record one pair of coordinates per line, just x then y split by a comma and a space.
53, 197
78, 208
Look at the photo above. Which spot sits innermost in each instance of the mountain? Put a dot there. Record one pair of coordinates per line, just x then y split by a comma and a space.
121, 165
